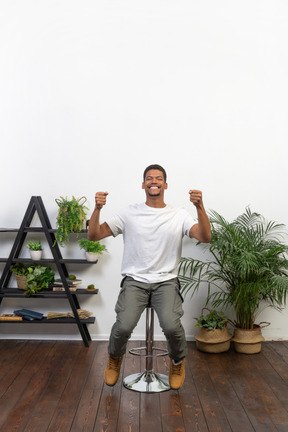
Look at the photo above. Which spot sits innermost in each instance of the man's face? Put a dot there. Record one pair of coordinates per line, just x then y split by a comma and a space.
154, 183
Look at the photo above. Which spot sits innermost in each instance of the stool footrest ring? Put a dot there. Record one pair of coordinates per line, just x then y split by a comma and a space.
137, 351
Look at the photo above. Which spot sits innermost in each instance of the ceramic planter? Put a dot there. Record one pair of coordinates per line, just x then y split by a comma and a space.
36, 255
90, 256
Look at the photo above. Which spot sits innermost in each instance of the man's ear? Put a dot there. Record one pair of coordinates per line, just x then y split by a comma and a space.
166, 186
143, 186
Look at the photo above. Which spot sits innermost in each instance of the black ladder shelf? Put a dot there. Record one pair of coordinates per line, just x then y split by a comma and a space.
36, 205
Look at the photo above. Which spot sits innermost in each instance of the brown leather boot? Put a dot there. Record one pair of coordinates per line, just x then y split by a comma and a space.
112, 370
176, 374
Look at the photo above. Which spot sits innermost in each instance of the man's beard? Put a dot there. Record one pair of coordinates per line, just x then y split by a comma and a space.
154, 194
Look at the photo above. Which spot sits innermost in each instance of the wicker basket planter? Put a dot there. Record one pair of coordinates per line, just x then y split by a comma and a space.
213, 341
21, 282
248, 341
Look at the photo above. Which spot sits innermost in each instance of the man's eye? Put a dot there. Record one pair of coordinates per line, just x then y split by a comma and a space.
151, 178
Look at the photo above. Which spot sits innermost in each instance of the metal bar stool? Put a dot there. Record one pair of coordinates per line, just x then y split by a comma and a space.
148, 381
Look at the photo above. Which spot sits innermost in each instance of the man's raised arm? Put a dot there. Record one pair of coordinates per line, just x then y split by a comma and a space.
97, 231
202, 230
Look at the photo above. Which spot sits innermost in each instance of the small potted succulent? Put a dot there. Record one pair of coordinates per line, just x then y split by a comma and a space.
91, 288
35, 249
92, 249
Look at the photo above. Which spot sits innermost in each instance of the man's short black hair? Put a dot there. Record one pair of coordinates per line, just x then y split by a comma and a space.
155, 167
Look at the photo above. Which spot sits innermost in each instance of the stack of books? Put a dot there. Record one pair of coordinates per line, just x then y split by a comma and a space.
22, 314
28, 314
10, 317
58, 284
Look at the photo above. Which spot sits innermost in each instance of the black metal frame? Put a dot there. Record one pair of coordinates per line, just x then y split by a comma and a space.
36, 205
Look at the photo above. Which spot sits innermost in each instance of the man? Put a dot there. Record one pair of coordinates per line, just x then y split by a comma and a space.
152, 233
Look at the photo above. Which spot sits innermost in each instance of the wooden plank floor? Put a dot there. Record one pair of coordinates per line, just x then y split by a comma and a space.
58, 387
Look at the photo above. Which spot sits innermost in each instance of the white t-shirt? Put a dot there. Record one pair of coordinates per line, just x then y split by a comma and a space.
152, 240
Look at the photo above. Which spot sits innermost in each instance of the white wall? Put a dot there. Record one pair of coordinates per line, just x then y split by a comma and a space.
91, 92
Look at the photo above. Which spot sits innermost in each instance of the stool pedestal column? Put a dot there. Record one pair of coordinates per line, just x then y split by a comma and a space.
148, 381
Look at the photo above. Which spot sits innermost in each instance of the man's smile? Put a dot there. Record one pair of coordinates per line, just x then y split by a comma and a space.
154, 190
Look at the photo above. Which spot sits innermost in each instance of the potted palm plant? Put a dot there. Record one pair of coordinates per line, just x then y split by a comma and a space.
70, 219
247, 269
92, 249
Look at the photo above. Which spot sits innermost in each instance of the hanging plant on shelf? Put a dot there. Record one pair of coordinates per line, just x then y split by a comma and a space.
70, 219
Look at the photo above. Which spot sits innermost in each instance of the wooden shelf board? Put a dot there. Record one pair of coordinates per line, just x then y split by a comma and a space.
90, 320
15, 292
37, 229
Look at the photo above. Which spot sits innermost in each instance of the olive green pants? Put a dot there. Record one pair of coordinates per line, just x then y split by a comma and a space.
166, 300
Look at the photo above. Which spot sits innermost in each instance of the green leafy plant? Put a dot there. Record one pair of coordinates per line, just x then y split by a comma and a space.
247, 267
91, 287
92, 246
70, 219
213, 320
38, 277
34, 245
19, 269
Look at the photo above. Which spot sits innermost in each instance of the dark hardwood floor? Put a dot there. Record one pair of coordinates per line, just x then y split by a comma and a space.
58, 387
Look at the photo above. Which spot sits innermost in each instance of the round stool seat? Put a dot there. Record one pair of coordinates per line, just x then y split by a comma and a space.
148, 381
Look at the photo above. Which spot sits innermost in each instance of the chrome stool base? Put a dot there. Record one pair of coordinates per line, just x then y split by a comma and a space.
147, 382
